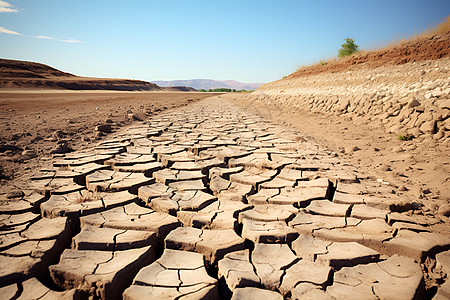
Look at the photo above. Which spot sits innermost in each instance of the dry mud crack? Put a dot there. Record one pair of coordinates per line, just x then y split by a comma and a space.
211, 202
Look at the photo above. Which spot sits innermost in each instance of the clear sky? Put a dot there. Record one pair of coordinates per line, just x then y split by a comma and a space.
248, 41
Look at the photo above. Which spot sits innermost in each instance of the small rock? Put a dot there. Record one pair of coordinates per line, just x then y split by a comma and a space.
385, 168
98, 135
426, 191
109, 121
29, 154
61, 147
59, 134
444, 210
104, 128
437, 93
439, 135
402, 188
444, 103
414, 103
414, 132
428, 127
133, 117
350, 149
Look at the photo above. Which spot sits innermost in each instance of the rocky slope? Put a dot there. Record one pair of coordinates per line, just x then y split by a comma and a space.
403, 88
359, 107
16, 74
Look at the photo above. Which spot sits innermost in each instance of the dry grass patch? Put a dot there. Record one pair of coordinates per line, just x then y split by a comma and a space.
417, 36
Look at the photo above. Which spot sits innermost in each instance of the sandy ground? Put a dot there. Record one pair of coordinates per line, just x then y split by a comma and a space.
420, 171
38, 120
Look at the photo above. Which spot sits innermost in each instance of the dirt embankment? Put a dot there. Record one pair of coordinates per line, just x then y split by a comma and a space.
16, 74
360, 106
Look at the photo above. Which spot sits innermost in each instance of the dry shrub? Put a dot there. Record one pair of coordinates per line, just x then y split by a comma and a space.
87, 196
417, 35
444, 26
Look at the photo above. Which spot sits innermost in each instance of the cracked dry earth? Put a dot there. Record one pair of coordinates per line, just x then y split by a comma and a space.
211, 202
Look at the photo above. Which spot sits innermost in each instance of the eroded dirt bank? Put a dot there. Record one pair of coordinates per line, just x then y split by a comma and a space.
360, 112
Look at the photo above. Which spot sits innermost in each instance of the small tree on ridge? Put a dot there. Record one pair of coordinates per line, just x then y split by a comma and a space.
348, 48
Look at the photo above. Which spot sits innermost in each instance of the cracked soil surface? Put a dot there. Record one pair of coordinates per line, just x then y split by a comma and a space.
209, 201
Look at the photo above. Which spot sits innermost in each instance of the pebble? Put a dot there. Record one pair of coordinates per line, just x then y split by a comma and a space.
402, 188
426, 191
385, 168
350, 149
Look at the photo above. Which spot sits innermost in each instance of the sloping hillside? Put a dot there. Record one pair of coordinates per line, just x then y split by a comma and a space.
405, 87
15, 74
387, 111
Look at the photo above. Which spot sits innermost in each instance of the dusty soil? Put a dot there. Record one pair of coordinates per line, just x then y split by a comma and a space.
39, 120
429, 48
209, 193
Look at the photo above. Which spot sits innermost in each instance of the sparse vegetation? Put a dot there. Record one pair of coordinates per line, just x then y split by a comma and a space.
417, 35
406, 137
87, 196
444, 26
348, 48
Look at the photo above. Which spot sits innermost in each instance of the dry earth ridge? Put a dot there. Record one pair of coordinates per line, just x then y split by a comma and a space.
209, 201
408, 100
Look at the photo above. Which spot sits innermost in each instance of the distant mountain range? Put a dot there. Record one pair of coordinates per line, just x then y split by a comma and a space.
209, 84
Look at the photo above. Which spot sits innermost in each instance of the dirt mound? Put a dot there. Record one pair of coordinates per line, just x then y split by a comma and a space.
431, 48
26, 69
16, 74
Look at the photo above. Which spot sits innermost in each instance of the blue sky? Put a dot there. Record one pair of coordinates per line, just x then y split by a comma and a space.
249, 41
